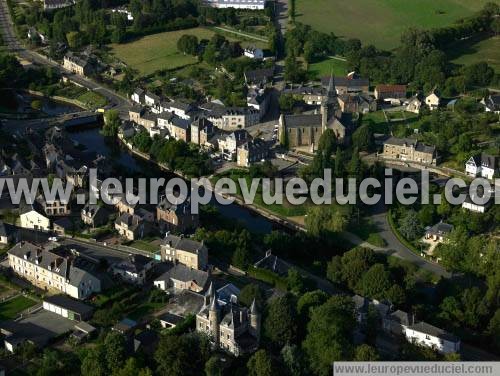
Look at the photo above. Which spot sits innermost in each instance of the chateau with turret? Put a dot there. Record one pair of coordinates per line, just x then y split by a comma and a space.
230, 327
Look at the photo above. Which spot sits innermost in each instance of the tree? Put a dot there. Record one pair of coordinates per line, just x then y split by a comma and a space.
354, 168
188, 44
355, 263
493, 330
329, 334
292, 359
375, 282
280, 324
114, 348
396, 295
334, 270
365, 353
75, 39
410, 226
260, 364
250, 292
287, 102
295, 281
327, 219
94, 364
308, 301
131, 368
182, 355
241, 258
213, 366
111, 123
339, 163
362, 138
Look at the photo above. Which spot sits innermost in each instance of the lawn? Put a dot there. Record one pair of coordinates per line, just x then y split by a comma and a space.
474, 51
382, 22
324, 68
159, 51
11, 308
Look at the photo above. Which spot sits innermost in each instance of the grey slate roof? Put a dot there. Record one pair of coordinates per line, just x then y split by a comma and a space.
178, 242
182, 273
429, 329
440, 229
297, 121
69, 304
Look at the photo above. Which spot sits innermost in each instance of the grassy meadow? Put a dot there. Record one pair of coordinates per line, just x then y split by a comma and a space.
381, 22
474, 51
326, 67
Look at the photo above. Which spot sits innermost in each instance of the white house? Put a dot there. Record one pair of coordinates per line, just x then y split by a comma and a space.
430, 336
432, 101
33, 219
492, 104
413, 104
254, 53
138, 96
469, 204
483, 165
153, 101
237, 4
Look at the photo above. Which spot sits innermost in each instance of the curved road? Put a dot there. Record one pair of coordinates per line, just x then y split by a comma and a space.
10, 39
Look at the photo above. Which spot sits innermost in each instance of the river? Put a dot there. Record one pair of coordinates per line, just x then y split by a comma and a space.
134, 166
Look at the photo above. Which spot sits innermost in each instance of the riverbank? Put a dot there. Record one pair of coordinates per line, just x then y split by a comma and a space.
236, 200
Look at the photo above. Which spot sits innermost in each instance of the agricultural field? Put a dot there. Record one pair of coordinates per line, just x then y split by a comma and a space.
470, 52
326, 67
381, 22
159, 51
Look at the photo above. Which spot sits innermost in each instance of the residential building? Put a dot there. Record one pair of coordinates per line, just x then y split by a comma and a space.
251, 152
6, 233
390, 92
152, 100
127, 203
310, 95
237, 4
138, 96
413, 104
432, 101
63, 226
409, 150
273, 263
181, 277
237, 118
134, 269
135, 113
356, 103
476, 204
352, 83
130, 226
31, 217
176, 217
94, 215
180, 109
492, 103
180, 128
254, 53
396, 322
202, 130
430, 336
259, 77
259, 99
125, 327
188, 252
483, 165
230, 327
58, 269
126, 129
68, 308
439, 232
229, 145
77, 65
57, 4
55, 207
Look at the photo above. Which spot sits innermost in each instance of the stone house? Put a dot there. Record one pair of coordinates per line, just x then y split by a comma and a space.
130, 226
135, 269
181, 277
409, 150
178, 249
202, 130
94, 215
230, 327
77, 65
56, 270
389, 92
176, 217
32, 218
251, 152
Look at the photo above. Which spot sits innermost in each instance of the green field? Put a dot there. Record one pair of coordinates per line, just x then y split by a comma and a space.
159, 51
381, 22
487, 50
11, 308
326, 67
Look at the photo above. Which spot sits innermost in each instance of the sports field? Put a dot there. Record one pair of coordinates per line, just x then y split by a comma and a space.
487, 50
382, 22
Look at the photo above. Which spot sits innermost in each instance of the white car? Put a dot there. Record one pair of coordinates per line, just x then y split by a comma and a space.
53, 239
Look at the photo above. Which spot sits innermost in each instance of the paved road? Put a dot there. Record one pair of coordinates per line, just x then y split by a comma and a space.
12, 43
